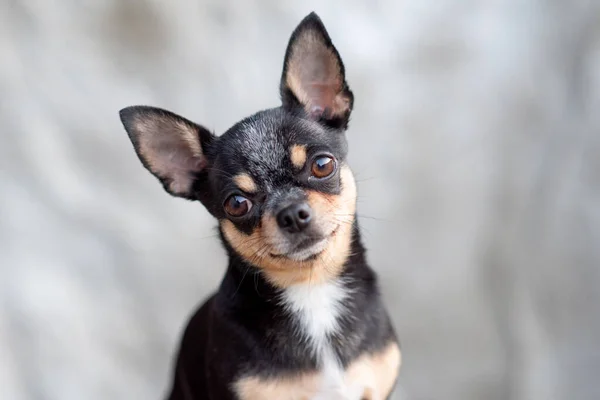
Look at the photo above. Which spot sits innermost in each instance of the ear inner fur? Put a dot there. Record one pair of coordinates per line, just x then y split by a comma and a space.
314, 73
186, 153
283, 272
168, 145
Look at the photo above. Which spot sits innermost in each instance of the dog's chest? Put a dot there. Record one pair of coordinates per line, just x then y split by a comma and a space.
316, 311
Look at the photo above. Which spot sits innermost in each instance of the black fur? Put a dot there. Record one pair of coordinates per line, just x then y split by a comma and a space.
243, 329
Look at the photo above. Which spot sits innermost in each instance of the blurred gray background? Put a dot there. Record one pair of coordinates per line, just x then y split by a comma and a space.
475, 140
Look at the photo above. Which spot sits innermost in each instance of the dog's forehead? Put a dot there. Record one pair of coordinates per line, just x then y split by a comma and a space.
263, 145
260, 145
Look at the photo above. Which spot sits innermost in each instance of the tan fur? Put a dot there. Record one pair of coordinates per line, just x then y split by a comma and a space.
298, 155
375, 372
190, 136
300, 387
314, 75
332, 212
245, 183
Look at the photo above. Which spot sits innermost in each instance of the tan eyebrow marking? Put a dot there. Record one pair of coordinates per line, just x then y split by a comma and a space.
298, 155
246, 183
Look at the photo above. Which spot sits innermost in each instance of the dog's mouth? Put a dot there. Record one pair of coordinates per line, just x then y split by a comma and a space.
308, 249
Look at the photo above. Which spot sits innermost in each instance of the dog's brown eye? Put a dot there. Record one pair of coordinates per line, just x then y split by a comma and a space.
322, 167
237, 206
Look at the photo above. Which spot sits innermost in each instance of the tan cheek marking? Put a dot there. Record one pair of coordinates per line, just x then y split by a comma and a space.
298, 155
300, 387
283, 272
250, 246
376, 372
336, 210
246, 183
270, 228
322, 204
341, 207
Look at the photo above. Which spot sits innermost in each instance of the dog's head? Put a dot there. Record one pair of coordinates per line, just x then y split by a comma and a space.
277, 181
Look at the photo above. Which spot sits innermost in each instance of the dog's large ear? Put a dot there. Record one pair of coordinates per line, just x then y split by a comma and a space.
172, 148
313, 79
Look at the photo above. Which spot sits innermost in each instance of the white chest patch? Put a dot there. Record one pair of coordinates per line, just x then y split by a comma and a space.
317, 309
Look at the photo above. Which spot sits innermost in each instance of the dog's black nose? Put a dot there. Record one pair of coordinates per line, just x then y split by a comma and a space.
294, 218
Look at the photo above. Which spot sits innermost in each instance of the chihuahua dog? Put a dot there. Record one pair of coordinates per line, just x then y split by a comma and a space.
298, 314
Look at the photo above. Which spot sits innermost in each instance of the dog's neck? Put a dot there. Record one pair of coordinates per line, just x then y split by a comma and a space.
308, 314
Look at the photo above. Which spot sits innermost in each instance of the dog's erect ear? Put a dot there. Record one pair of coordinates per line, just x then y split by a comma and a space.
313, 76
172, 148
